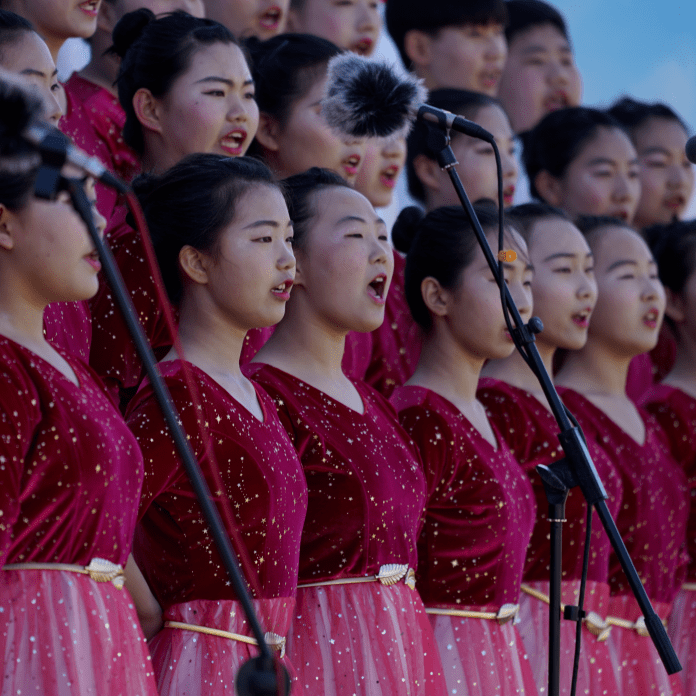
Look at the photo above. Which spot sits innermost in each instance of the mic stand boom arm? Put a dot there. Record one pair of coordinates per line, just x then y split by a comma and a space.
577, 468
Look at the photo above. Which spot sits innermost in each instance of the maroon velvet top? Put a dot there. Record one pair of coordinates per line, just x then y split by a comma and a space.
70, 470
654, 510
366, 487
480, 508
675, 410
94, 121
396, 345
68, 325
530, 431
263, 480
113, 353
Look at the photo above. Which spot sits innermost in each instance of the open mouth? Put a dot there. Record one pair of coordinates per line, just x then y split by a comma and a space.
620, 214
377, 289
351, 164
508, 194
582, 319
558, 100
233, 142
91, 7
363, 47
93, 260
389, 175
270, 19
651, 317
489, 78
282, 291
675, 203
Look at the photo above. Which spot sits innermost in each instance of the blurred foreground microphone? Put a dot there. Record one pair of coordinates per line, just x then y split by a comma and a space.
691, 149
369, 99
20, 118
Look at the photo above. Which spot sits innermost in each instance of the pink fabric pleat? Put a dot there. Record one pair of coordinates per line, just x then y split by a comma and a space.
481, 657
640, 669
188, 663
682, 633
364, 639
63, 634
596, 674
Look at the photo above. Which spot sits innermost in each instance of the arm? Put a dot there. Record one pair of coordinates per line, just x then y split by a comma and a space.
148, 609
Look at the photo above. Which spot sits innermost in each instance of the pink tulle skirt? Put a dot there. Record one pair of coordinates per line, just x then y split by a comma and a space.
597, 673
188, 663
640, 669
682, 632
479, 656
63, 634
364, 640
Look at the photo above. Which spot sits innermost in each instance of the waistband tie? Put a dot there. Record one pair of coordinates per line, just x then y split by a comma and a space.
388, 574
99, 569
506, 613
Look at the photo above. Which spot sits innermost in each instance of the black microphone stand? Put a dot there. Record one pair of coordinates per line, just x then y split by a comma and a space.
259, 676
576, 468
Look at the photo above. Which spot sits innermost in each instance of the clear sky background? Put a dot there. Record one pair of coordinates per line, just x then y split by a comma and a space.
644, 48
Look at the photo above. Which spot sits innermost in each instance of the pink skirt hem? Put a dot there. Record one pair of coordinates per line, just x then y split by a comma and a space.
682, 632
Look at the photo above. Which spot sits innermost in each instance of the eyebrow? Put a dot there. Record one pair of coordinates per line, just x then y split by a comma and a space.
656, 149
38, 73
628, 262
264, 223
540, 48
605, 160
357, 218
230, 83
565, 255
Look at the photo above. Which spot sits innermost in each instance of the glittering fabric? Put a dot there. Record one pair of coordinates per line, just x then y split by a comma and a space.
70, 476
675, 410
471, 551
366, 500
94, 121
263, 480
396, 345
68, 325
652, 521
113, 355
530, 430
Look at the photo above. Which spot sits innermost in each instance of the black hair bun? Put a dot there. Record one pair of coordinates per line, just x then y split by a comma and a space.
405, 227
129, 29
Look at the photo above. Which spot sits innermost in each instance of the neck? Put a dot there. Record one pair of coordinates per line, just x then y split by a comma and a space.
102, 70
515, 371
208, 339
446, 368
156, 159
304, 345
595, 369
21, 319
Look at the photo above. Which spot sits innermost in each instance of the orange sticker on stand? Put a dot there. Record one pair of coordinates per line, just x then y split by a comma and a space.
507, 255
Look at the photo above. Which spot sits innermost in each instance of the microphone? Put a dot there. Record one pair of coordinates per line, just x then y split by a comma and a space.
20, 120
368, 98
691, 149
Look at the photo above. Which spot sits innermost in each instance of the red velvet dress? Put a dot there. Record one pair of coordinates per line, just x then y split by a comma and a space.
94, 121
173, 547
366, 500
113, 353
676, 412
652, 521
531, 432
396, 345
471, 551
70, 477
68, 326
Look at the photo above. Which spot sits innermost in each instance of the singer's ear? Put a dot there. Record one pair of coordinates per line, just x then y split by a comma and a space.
194, 264
549, 187
147, 110
418, 47
6, 226
675, 308
267, 132
436, 298
428, 171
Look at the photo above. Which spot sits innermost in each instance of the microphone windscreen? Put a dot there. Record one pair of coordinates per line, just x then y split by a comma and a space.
691, 149
365, 98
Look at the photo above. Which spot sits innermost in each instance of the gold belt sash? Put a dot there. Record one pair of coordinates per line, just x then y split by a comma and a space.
506, 613
388, 574
99, 569
638, 625
691, 586
600, 628
274, 641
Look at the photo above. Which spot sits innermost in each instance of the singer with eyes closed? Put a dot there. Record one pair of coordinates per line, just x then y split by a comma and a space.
186, 88
70, 470
359, 626
565, 293
592, 383
480, 505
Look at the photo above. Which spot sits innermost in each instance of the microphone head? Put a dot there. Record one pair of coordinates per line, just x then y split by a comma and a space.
691, 149
370, 99
18, 107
